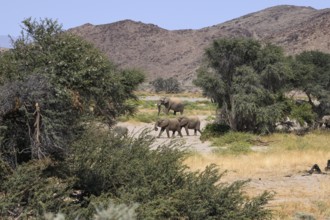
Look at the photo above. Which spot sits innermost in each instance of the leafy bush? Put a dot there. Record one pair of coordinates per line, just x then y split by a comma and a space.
235, 148
33, 189
230, 141
302, 113
5, 172
214, 130
170, 85
234, 137
101, 168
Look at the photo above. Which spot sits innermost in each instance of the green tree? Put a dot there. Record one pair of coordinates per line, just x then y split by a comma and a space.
312, 76
170, 85
246, 79
64, 76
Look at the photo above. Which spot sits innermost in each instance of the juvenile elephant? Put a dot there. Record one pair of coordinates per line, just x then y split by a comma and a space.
190, 123
326, 121
168, 124
174, 104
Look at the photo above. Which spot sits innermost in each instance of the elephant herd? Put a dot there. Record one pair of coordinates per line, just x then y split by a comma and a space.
175, 124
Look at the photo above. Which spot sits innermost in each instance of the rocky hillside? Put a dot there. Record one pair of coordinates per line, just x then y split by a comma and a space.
163, 53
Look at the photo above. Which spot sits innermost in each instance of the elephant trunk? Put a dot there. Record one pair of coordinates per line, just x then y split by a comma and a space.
159, 107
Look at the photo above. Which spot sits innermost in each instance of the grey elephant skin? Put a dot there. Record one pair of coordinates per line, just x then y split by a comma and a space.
326, 121
174, 104
168, 124
190, 123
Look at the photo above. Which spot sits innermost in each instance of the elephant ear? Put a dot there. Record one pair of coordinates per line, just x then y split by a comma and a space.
161, 100
183, 121
166, 100
164, 122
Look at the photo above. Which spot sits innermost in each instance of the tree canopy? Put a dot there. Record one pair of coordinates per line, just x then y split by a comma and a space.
50, 81
312, 75
247, 80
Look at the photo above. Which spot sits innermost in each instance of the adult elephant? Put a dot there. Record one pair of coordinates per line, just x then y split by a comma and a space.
174, 104
326, 121
190, 123
168, 124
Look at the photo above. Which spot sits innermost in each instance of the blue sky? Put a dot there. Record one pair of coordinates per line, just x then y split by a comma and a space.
168, 14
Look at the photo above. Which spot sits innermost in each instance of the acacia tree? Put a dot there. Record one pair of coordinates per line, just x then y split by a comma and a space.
246, 80
49, 80
312, 76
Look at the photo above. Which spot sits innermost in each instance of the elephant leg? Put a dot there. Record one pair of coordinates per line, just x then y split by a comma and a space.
168, 132
174, 112
179, 131
161, 131
173, 134
187, 130
199, 131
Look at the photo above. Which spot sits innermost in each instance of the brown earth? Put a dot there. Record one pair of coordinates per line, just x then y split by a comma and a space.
178, 53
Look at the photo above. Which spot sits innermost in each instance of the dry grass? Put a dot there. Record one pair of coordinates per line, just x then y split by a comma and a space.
281, 169
260, 165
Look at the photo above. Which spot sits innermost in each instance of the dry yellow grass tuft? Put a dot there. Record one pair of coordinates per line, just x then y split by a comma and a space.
257, 164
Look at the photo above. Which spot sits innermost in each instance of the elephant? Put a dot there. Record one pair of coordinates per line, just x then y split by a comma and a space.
170, 124
120, 131
174, 104
190, 123
326, 121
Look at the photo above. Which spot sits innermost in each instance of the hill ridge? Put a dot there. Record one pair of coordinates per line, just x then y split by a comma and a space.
178, 53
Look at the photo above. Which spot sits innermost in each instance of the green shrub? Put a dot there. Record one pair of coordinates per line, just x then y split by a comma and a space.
233, 142
170, 85
214, 130
234, 148
302, 113
35, 188
128, 171
5, 172
235, 137
101, 168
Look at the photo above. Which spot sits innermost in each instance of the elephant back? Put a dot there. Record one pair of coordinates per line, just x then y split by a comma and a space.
194, 122
174, 124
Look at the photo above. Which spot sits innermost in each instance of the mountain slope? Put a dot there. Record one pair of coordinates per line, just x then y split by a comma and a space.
163, 53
